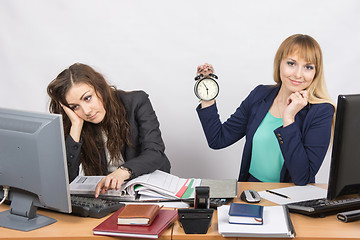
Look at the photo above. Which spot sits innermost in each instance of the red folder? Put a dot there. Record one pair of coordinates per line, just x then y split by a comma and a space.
110, 227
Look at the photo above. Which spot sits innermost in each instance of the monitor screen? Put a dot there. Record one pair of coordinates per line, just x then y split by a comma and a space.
33, 165
344, 177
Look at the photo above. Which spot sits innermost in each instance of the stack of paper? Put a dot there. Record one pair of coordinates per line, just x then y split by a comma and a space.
294, 194
276, 223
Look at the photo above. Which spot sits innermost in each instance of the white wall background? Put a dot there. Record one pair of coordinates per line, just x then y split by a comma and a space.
157, 45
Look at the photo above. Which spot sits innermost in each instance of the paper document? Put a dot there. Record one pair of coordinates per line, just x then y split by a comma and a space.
276, 223
162, 184
295, 194
165, 204
86, 185
158, 185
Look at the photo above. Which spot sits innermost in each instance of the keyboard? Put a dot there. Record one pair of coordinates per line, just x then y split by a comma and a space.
323, 207
93, 207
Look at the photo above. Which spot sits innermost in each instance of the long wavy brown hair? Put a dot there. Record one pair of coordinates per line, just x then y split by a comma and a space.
114, 124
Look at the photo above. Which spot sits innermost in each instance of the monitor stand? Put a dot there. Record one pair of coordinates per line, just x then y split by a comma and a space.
22, 214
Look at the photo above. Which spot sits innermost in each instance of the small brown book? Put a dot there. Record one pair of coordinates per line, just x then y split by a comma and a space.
138, 214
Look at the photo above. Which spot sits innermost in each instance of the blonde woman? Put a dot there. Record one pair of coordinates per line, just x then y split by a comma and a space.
287, 125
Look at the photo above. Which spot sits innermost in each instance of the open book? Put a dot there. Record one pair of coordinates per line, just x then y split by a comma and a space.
156, 185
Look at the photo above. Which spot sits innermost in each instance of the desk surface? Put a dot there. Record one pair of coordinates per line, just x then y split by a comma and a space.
72, 227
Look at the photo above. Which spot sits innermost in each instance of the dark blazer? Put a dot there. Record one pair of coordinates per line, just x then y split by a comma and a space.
148, 151
303, 143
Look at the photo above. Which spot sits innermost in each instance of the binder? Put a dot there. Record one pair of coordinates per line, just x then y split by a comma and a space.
276, 224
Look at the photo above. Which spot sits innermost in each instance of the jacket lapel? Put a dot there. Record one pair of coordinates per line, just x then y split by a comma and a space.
264, 106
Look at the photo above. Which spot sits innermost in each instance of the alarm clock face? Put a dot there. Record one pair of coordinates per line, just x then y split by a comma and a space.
206, 89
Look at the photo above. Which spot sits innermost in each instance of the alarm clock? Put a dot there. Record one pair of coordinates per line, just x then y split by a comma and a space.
206, 88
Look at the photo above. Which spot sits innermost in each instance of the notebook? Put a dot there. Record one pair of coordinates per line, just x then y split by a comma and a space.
109, 227
140, 214
240, 213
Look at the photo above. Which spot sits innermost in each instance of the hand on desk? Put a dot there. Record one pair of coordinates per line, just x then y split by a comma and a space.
111, 181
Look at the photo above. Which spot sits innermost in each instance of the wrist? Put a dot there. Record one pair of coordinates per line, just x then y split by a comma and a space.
128, 171
205, 104
75, 133
287, 121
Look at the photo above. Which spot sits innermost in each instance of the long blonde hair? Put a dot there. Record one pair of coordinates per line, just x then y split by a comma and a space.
308, 49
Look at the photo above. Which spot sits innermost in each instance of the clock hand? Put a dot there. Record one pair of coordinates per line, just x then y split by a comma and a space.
205, 87
207, 90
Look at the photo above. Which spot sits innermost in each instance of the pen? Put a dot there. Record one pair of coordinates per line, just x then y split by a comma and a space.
281, 195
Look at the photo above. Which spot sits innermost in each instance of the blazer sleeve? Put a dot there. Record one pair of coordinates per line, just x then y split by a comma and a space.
220, 135
304, 146
73, 156
148, 152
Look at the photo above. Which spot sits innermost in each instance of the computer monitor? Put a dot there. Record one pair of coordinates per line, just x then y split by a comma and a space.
33, 164
344, 177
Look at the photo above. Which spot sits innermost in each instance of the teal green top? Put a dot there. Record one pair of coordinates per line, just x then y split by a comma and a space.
266, 158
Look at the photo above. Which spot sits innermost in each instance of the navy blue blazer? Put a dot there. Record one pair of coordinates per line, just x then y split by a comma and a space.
303, 143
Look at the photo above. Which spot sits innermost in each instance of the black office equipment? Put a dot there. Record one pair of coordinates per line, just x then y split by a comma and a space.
202, 197
323, 207
344, 178
93, 207
349, 216
195, 221
217, 202
222, 191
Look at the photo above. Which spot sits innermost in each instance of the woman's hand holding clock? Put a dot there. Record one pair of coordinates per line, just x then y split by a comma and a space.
205, 69
206, 87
